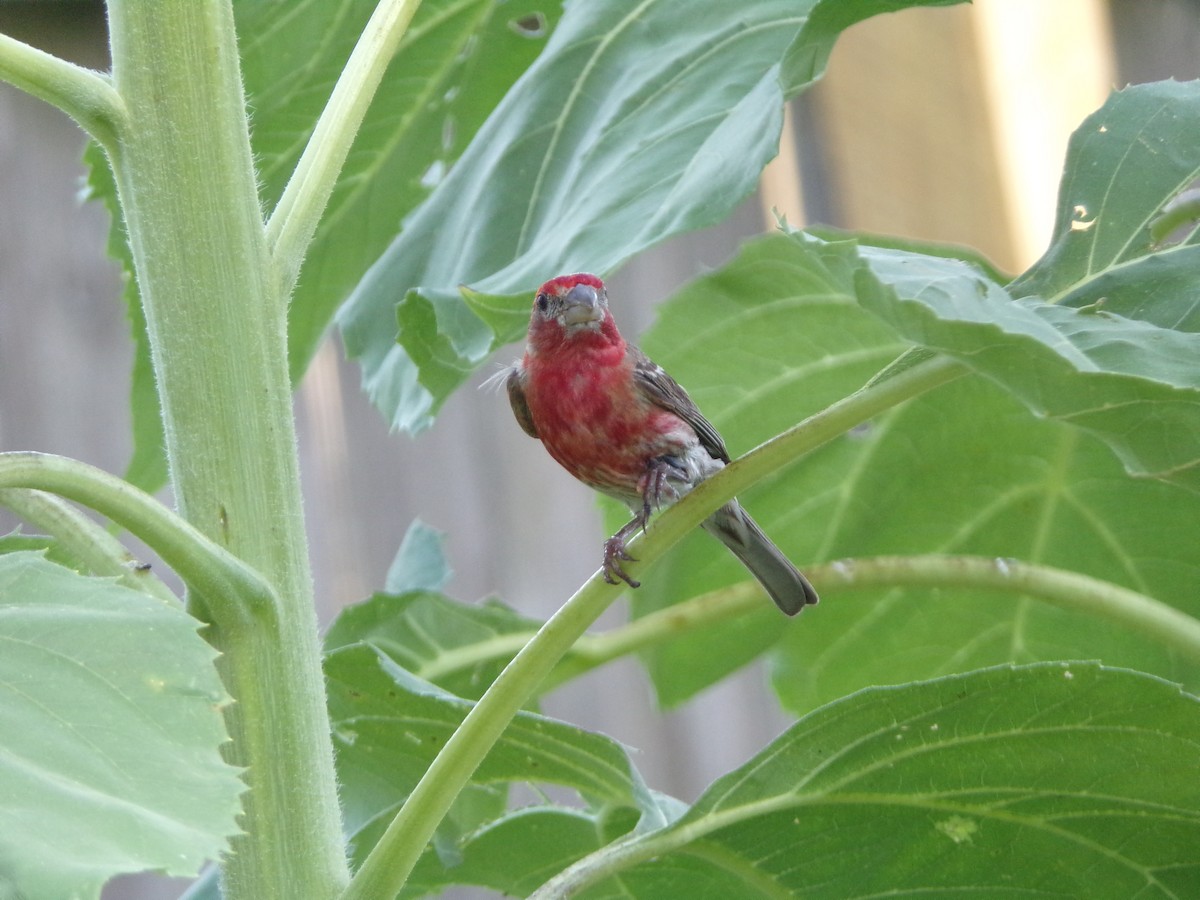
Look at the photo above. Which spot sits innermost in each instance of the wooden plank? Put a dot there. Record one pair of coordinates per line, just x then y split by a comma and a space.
951, 124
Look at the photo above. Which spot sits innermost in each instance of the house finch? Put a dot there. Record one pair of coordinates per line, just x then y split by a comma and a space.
620, 424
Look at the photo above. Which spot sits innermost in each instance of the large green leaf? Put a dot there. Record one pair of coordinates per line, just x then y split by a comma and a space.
111, 723
388, 725
1051, 780
456, 62
1105, 334
1066, 780
642, 119
778, 334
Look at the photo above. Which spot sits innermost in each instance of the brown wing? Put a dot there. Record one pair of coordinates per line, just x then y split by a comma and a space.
516, 396
664, 391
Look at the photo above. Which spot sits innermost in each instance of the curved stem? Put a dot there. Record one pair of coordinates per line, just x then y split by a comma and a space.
86, 96
386, 869
294, 222
87, 541
1057, 587
233, 590
390, 862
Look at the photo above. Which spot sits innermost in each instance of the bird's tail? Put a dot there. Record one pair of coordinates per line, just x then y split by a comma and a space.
783, 581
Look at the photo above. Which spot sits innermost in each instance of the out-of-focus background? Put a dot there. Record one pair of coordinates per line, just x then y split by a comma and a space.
947, 124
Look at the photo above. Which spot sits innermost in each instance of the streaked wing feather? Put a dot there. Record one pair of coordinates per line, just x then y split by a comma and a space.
664, 391
516, 396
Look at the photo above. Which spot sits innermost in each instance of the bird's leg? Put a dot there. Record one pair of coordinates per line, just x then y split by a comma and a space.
615, 553
652, 484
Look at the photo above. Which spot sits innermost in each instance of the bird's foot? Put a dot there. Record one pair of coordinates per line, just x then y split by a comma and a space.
615, 554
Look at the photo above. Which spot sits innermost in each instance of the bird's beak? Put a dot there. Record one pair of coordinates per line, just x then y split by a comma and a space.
582, 305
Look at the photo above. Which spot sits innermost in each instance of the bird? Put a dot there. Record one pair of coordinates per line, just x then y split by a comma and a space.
620, 424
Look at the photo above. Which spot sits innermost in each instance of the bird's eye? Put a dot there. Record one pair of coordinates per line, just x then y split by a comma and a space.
543, 302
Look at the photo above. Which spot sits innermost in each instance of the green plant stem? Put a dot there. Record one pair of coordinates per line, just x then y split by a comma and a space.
1058, 587
292, 225
86, 96
620, 855
390, 862
1064, 589
86, 541
216, 318
238, 594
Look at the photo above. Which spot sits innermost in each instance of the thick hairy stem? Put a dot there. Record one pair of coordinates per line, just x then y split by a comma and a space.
216, 318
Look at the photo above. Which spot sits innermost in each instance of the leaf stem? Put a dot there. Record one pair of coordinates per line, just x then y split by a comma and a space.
94, 547
1057, 587
234, 592
391, 860
294, 221
1065, 589
387, 867
86, 96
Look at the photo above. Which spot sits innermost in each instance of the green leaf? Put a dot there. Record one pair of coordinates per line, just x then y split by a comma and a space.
639, 121
777, 335
388, 725
1058, 780
420, 563
771, 338
968, 470
518, 851
457, 61
16, 541
111, 720
1105, 334
458, 647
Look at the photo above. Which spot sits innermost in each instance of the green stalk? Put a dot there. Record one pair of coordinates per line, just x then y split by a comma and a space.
86, 96
294, 222
216, 318
1058, 587
238, 594
391, 860
94, 548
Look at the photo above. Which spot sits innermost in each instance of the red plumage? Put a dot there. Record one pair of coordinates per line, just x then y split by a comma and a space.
620, 424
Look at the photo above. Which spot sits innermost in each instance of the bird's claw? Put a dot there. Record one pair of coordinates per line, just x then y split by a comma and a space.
614, 554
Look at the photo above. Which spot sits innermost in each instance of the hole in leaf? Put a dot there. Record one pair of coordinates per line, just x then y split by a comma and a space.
531, 25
